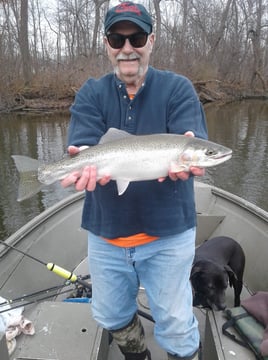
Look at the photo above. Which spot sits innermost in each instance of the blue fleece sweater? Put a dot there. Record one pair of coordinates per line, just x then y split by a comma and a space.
165, 103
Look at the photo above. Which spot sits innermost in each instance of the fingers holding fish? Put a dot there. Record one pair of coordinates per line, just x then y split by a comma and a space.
72, 150
88, 179
71, 179
197, 171
184, 175
85, 180
82, 180
181, 175
103, 181
189, 133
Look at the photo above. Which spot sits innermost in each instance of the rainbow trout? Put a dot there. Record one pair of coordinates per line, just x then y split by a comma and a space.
125, 158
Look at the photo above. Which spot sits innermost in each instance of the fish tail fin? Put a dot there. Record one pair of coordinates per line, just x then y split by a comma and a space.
28, 171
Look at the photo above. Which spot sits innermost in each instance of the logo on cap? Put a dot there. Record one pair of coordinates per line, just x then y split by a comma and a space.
130, 7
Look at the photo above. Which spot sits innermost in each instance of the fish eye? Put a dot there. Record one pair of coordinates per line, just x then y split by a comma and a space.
210, 152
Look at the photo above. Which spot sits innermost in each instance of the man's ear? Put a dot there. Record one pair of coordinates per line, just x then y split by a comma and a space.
106, 44
151, 41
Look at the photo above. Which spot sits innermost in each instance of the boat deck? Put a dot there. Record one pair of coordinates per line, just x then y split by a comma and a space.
63, 334
72, 323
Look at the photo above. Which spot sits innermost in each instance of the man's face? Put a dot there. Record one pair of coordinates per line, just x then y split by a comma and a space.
130, 63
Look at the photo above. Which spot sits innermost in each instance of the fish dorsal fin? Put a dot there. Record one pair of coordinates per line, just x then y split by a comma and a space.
114, 134
122, 186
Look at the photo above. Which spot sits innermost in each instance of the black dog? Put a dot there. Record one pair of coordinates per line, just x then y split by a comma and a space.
217, 261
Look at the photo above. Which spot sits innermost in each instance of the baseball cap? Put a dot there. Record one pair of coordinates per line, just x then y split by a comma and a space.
130, 11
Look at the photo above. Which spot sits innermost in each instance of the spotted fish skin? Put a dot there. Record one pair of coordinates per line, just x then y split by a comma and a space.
125, 158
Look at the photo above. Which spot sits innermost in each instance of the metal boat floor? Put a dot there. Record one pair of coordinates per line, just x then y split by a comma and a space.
67, 331
63, 331
210, 323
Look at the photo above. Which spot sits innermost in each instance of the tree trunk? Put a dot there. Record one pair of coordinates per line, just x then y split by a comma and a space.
255, 35
24, 42
221, 29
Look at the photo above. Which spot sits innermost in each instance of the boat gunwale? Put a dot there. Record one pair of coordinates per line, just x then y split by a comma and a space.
31, 225
245, 204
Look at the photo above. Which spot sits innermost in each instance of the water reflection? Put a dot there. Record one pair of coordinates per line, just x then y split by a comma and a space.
241, 126
42, 138
244, 128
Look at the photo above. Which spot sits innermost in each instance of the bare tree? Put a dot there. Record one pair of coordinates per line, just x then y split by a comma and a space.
24, 42
157, 22
219, 34
98, 4
203, 39
255, 34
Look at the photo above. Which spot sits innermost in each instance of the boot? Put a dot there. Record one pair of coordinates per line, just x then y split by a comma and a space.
195, 356
131, 341
145, 355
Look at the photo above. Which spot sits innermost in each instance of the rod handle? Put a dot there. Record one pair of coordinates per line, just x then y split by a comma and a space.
68, 275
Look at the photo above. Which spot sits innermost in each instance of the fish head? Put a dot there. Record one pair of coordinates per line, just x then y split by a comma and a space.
204, 154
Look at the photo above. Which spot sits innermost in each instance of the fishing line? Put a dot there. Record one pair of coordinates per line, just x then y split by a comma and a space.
22, 252
66, 274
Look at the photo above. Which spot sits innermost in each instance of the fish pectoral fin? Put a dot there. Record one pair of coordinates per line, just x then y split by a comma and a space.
177, 167
122, 186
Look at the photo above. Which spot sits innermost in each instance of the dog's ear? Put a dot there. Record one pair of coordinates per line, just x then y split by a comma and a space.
196, 268
230, 271
231, 274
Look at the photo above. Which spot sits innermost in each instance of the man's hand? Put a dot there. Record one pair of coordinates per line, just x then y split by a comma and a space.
87, 178
184, 175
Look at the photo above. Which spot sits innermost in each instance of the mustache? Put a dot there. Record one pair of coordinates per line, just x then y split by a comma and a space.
132, 56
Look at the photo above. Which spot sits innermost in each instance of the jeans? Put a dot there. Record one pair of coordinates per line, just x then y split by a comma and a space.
163, 267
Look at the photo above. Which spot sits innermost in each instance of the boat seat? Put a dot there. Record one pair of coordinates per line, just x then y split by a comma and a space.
60, 330
218, 346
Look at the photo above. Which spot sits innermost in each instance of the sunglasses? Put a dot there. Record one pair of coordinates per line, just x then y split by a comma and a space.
137, 40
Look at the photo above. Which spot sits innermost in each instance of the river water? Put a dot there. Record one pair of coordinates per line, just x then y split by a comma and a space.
241, 126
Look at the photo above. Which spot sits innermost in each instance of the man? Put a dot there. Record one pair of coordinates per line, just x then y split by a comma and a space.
146, 235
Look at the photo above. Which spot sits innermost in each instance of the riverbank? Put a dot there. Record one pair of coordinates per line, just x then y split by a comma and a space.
46, 100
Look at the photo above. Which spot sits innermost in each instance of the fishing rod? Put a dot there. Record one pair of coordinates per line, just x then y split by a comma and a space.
58, 270
66, 274
24, 297
39, 293
22, 304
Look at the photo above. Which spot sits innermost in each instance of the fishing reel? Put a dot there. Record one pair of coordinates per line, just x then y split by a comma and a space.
82, 289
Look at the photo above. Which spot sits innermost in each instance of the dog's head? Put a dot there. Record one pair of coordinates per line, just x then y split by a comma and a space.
209, 282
